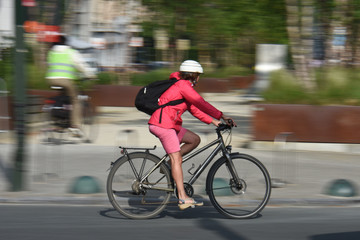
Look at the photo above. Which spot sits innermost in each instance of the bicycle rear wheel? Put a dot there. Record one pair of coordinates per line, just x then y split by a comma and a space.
52, 130
89, 123
133, 198
246, 199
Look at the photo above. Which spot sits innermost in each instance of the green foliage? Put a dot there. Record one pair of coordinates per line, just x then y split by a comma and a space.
226, 30
142, 79
284, 89
36, 77
107, 78
339, 85
336, 86
226, 72
6, 67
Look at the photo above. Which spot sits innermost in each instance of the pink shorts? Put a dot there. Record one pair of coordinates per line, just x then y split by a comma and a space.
169, 138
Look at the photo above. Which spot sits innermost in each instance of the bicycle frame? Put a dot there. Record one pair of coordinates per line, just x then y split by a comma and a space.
220, 147
207, 161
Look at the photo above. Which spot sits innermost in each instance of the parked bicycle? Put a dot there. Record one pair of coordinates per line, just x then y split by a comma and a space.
139, 184
57, 124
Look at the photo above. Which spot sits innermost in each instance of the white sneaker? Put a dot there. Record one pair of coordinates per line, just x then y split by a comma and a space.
76, 132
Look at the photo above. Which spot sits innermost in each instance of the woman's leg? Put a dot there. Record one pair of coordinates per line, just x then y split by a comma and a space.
171, 143
177, 174
190, 141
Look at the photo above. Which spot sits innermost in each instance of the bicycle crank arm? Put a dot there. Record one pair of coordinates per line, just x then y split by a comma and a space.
159, 188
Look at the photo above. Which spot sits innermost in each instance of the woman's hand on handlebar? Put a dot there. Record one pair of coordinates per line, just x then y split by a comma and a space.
229, 121
216, 122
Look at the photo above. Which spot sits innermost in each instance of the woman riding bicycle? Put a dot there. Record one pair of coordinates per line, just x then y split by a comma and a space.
166, 123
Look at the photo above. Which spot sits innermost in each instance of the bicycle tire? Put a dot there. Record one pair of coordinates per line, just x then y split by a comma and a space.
244, 201
132, 199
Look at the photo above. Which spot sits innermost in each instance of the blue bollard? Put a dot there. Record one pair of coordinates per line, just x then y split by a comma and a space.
221, 187
85, 185
341, 188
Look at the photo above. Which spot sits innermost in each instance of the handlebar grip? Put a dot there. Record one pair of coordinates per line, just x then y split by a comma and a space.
223, 126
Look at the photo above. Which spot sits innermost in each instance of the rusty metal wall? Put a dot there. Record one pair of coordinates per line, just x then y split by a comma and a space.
326, 124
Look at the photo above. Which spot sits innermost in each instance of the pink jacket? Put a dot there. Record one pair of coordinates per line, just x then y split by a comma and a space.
194, 103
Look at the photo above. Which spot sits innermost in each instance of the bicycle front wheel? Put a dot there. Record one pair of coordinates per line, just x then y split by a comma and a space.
136, 198
244, 199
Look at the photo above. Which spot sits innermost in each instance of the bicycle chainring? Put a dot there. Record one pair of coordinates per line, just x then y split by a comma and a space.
189, 190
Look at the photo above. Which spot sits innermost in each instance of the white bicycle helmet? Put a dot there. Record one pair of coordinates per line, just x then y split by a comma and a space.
191, 66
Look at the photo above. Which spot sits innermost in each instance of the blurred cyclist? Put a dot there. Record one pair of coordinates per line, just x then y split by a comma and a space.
64, 66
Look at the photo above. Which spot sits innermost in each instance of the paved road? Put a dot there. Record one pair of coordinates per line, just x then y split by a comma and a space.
36, 222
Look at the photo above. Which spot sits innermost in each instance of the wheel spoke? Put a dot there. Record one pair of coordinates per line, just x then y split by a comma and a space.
133, 168
133, 197
245, 197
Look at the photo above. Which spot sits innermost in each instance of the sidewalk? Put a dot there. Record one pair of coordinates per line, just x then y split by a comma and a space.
301, 177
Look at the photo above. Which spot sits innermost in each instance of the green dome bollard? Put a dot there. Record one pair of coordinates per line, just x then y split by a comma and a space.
85, 185
341, 188
221, 187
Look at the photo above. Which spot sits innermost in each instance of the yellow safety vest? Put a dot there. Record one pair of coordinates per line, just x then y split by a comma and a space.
61, 64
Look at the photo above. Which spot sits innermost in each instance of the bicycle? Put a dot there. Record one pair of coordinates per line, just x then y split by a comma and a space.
57, 123
139, 184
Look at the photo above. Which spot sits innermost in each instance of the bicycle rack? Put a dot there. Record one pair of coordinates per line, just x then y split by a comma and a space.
284, 164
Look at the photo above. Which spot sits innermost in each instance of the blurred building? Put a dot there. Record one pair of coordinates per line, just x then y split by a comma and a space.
7, 23
106, 29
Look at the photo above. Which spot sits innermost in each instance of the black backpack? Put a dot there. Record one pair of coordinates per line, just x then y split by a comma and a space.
147, 98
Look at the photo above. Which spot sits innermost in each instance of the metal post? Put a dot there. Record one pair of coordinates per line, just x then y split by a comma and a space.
284, 167
20, 97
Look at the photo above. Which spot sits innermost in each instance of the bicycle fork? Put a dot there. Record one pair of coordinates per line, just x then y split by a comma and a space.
231, 167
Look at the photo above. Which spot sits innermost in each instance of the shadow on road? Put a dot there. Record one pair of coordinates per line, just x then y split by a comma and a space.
172, 211
337, 236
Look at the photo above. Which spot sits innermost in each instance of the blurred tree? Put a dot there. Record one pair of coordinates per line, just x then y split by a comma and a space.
344, 14
323, 19
352, 24
222, 32
300, 15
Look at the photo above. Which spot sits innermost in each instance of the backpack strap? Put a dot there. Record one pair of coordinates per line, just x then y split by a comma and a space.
171, 103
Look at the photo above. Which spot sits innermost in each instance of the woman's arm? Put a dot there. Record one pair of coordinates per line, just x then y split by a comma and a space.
194, 98
199, 107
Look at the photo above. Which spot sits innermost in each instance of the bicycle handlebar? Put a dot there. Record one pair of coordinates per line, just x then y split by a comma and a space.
223, 126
